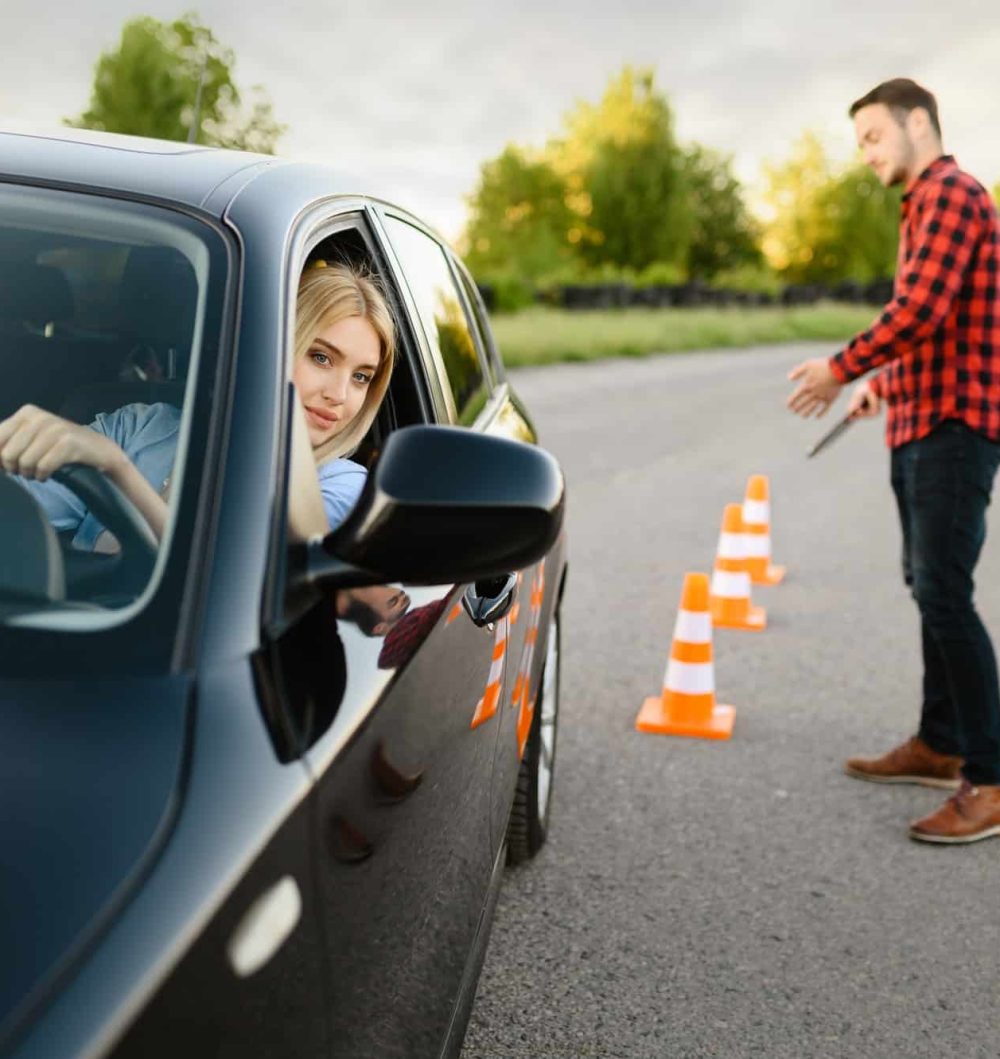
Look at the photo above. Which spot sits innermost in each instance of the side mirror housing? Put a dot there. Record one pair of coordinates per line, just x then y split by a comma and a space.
443, 505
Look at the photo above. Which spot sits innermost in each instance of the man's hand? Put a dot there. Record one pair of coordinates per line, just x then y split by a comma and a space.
817, 390
864, 402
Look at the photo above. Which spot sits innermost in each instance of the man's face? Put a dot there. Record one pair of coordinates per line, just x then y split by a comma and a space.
388, 602
885, 145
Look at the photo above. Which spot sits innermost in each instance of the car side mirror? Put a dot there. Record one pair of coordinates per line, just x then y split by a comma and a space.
442, 505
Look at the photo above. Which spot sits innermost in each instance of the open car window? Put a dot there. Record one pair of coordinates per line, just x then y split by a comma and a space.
103, 308
405, 401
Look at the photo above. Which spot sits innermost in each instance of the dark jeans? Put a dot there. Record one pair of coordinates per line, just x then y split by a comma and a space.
942, 484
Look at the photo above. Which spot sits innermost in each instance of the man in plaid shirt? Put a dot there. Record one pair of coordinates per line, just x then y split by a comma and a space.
936, 350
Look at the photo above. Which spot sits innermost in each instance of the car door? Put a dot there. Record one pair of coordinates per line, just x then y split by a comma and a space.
505, 417
388, 688
156, 857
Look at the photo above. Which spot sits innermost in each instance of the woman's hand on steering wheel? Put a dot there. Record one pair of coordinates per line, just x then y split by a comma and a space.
35, 444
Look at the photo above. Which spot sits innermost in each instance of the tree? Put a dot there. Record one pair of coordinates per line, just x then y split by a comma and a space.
164, 79
829, 225
861, 234
520, 223
792, 192
613, 193
625, 174
724, 236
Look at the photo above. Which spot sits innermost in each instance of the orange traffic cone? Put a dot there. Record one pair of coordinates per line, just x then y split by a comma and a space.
757, 527
729, 598
487, 705
687, 705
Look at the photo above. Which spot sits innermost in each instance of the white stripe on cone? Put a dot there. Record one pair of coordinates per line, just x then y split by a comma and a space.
757, 512
693, 626
758, 545
732, 546
689, 678
727, 584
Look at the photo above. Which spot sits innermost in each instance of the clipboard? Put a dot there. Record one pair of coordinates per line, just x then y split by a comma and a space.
830, 436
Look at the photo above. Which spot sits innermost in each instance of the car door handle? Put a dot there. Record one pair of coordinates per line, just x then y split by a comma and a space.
488, 601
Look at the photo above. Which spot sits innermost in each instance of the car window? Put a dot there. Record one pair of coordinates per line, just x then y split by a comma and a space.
102, 309
443, 315
481, 322
342, 470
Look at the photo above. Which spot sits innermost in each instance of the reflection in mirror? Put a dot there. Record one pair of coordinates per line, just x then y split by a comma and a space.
374, 609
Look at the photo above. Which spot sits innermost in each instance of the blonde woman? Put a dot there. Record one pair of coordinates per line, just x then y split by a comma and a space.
343, 357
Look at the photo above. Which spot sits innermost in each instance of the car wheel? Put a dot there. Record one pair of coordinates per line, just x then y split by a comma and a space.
528, 825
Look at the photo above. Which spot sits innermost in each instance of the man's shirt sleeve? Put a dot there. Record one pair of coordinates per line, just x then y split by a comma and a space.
932, 275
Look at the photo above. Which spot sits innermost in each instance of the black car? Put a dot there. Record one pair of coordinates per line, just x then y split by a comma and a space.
258, 784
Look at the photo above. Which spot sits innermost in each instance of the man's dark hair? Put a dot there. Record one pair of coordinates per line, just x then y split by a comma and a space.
900, 95
360, 614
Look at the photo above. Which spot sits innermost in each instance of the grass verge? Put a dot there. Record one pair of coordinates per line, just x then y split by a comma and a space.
542, 335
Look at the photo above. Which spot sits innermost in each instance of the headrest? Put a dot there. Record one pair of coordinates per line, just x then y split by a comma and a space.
31, 563
36, 295
157, 301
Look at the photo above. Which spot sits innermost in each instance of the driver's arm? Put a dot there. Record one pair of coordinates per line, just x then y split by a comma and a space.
34, 444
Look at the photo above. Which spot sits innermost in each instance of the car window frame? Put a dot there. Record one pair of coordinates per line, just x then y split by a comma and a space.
432, 355
477, 309
149, 653
319, 222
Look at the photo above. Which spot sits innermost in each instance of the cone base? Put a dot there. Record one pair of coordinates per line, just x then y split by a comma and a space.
774, 575
756, 621
653, 720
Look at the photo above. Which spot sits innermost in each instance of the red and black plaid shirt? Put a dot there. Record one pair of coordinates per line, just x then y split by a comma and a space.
939, 337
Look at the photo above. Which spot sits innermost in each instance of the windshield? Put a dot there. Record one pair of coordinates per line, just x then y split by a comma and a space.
105, 308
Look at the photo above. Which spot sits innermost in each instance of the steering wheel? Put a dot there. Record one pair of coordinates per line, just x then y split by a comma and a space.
134, 563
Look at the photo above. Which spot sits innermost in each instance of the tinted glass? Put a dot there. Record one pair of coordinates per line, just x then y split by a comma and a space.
102, 312
443, 316
481, 321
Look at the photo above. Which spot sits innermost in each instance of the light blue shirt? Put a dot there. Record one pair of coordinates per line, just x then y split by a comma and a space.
148, 436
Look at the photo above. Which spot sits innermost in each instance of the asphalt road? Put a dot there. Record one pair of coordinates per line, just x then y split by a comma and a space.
741, 898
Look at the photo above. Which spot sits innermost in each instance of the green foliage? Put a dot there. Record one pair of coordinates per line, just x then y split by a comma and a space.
661, 274
622, 156
609, 198
753, 279
149, 86
829, 224
510, 292
793, 190
520, 224
996, 194
724, 236
861, 231
638, 214
543, 335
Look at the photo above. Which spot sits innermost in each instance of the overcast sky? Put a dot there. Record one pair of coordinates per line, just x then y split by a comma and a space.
408, 99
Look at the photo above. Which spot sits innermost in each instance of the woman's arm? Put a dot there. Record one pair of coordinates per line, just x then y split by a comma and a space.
35, 444
341, 482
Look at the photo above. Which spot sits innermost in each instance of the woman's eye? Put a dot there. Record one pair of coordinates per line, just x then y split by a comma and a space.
362, 377
319, 358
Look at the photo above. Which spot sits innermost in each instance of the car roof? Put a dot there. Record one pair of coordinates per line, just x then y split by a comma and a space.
192, 175
132, 165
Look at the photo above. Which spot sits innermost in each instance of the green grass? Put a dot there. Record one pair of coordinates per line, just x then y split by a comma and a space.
542, 335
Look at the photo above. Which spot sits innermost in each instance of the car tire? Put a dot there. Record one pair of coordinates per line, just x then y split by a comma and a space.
528, 825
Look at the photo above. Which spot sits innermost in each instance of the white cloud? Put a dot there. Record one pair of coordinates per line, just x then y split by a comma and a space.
413, 98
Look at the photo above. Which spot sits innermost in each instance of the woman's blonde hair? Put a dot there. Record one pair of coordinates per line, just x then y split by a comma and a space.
330, 292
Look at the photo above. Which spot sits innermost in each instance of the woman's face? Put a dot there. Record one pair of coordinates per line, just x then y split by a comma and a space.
333, 376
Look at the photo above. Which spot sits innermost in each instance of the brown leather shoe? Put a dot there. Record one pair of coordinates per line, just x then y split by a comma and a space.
970, 814
913, 762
